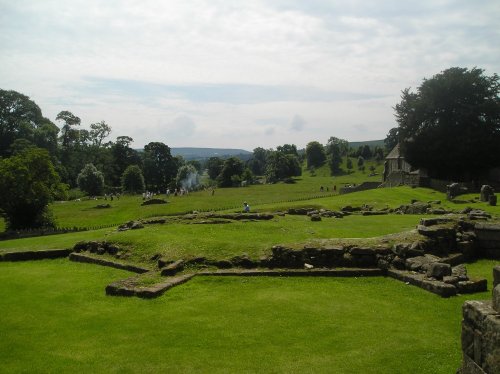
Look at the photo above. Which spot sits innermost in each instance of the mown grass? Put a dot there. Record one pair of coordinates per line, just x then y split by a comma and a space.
56, 318
221, 241
255, 239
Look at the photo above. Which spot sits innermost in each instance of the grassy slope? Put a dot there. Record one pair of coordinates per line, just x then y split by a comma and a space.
63, 322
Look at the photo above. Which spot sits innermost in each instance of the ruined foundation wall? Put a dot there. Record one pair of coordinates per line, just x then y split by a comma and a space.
481, 333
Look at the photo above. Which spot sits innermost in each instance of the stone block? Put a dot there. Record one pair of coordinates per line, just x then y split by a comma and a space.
496, 298
361, 251
490, 348
450, 279
438, 270
496, 275
467, 339
468, 248
472, 286
475, 312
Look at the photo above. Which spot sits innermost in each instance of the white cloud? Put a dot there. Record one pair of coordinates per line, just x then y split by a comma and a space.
298, 123
211, 71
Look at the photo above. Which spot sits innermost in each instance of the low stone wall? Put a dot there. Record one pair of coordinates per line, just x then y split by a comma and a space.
127, 288
297, 272
481, 333
34, 255
87, 258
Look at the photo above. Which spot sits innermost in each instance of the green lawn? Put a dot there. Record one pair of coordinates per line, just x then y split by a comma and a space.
56, 318
222, 241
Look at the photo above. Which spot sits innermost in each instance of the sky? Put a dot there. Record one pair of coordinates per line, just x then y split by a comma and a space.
238, 74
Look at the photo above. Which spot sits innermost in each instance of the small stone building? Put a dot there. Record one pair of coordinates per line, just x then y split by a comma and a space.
397, 171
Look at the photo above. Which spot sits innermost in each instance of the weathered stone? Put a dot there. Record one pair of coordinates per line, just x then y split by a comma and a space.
224, 264
416, 263
496, 298
154, 221
299, 211
313, 212
414, 208
435, 221
480, 338
173, 268
478, 214
416, 249
162, 262
361, 251
154, 201
460, 271
131, 225
383, 263
438, 270
375, 213
435, 232
486, 192
437, 211
382, 250
472, 286
243, 261
400, 249
450, 279
437, 287
315, 218
496, 275
492, 200
398, 263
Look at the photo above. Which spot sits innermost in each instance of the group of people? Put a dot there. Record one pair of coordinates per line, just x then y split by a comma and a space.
327, 189
177, 192
147, 195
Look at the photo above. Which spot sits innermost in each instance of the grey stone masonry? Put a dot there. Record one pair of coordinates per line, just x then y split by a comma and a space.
481, 333
488, 238
496, 288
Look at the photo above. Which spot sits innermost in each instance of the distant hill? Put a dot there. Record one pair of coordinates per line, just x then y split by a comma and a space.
189, 153
370, 143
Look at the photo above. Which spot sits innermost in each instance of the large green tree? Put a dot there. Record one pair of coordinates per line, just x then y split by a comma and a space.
21, 118
281, 166
160, 168
257, 163
214, 167
231, 172
28, 183
335, 149
451, 124
315, 154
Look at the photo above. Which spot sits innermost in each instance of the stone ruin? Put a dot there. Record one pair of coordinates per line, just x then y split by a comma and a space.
430, 257
481, 333
488, 195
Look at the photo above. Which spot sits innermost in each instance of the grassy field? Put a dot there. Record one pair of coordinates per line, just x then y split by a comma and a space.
56, 318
